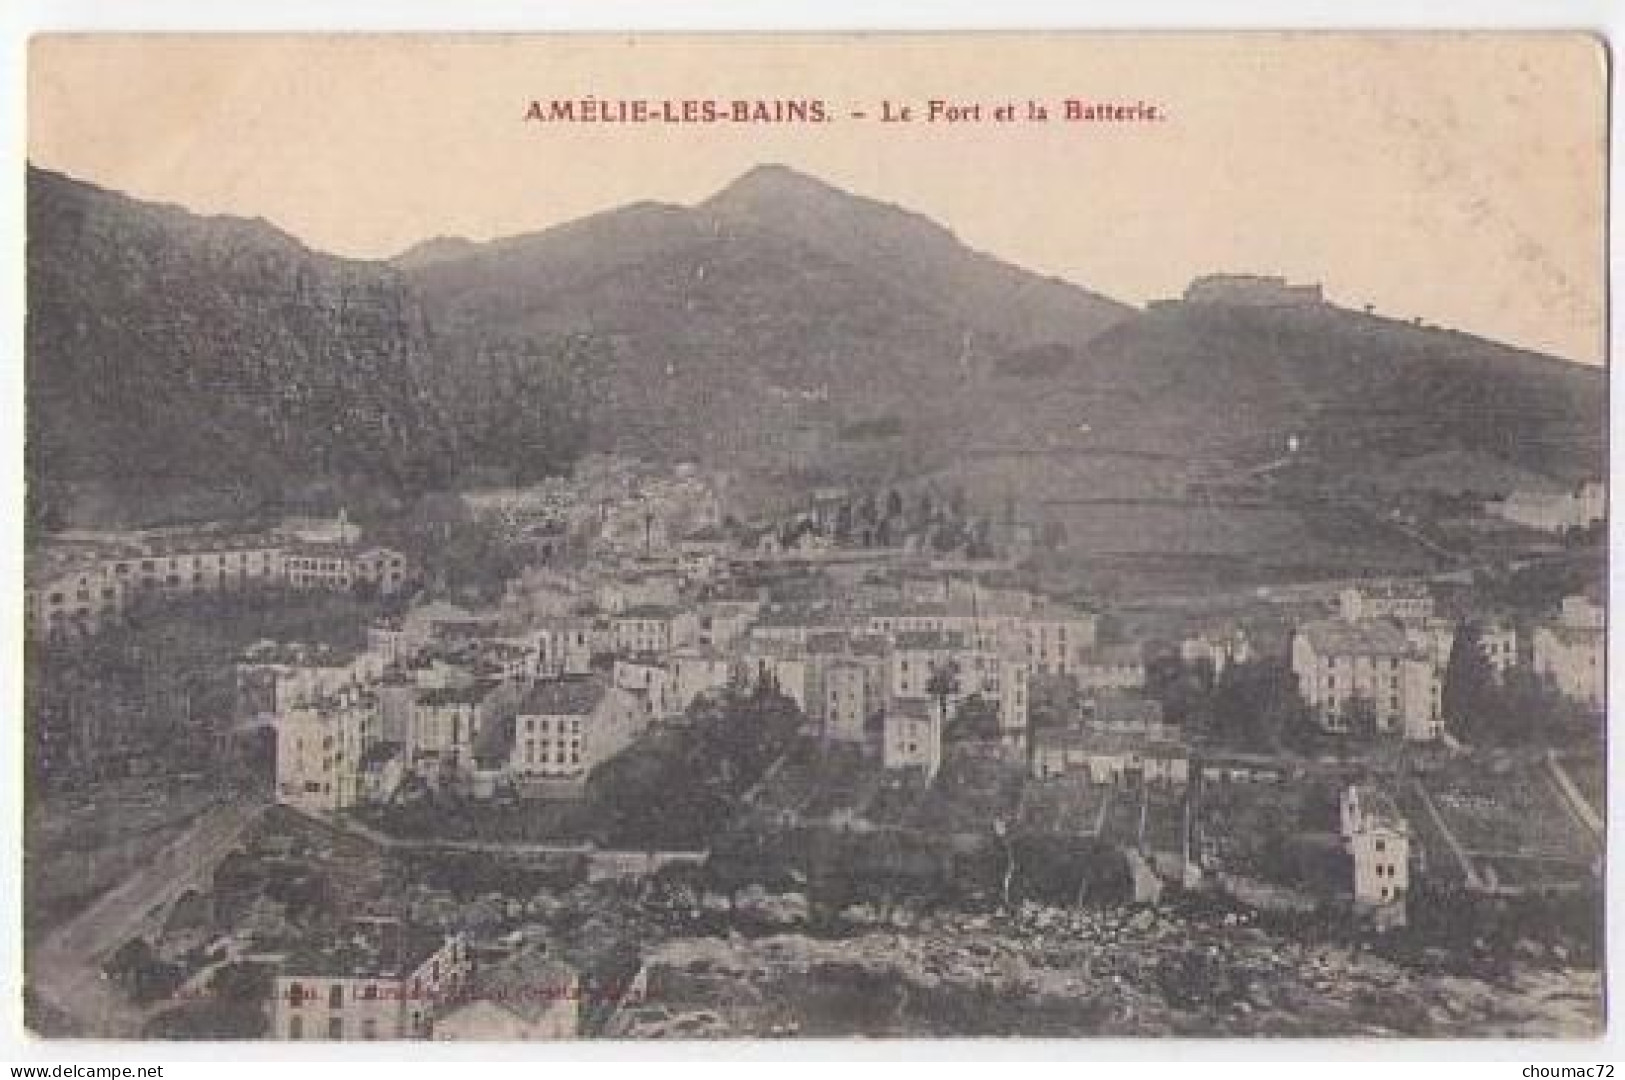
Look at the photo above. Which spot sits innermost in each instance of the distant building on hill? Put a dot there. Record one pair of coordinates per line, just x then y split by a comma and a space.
1553, 511
1251, 290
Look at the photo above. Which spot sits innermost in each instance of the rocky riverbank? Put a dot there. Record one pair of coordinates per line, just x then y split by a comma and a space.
1124, 973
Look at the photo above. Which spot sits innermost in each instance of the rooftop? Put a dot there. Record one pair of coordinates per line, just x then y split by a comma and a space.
563, 697
1378, 807
930, 639
472, 694
369, 948
1371, 637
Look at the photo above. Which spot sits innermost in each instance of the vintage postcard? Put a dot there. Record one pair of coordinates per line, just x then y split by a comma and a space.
860, 536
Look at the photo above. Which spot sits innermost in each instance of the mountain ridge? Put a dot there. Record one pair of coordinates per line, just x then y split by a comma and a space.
759, 329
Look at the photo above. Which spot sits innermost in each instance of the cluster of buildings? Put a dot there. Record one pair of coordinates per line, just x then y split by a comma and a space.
1386, 651
79, 582
382, 979
535, 693
610, 504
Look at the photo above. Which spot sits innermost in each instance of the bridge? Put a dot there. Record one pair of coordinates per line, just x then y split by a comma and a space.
65, 969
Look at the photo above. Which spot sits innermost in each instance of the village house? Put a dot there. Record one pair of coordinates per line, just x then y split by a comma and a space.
319, 751
446, 725
723, 622
76, 584
1498, 638
566, 728
529, 997
1217, 649
851, 676
1553, 509
1339, 663
697, 672
64, 598
1056, 637
379, 979
341, 568
649, 679
1109, 758
912, 738
1400, 601
1377, 839
653, 629
338, 530
1110, 667
1571, 651
274, 677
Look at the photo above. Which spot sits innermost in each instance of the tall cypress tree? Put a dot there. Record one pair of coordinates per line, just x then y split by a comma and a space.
1469, 687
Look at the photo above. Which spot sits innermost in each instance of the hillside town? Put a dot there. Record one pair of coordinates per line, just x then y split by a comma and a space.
689, 719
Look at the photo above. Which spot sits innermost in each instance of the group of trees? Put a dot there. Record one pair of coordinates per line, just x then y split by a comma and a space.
1253, 705
885, 519
1515, 708
681, 788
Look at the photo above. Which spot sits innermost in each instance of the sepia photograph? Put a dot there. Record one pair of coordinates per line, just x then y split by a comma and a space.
1065, 536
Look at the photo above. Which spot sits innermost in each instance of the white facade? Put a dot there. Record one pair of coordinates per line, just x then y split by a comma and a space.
373, 999
319, 752
1338, 663
913, 739
1378, 841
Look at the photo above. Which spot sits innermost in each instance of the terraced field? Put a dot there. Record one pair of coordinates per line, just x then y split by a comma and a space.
1590, 774
1517, 814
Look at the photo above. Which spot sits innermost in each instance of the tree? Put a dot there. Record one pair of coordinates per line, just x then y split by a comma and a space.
1256, 705
975, 718
942, 684
1468, 699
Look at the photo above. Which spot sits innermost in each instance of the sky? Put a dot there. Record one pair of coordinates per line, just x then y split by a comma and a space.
1459, 178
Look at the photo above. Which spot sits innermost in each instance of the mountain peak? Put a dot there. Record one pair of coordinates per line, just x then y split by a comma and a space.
435, 249
772, 181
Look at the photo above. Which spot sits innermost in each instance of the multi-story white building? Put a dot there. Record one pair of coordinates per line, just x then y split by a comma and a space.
566, 728
447, 723
1499, 641
912, 737
78, 583
650, 680
1056, 637
319, 753
1377, 839
846, 700
653, 630
380, 979
1339, 662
